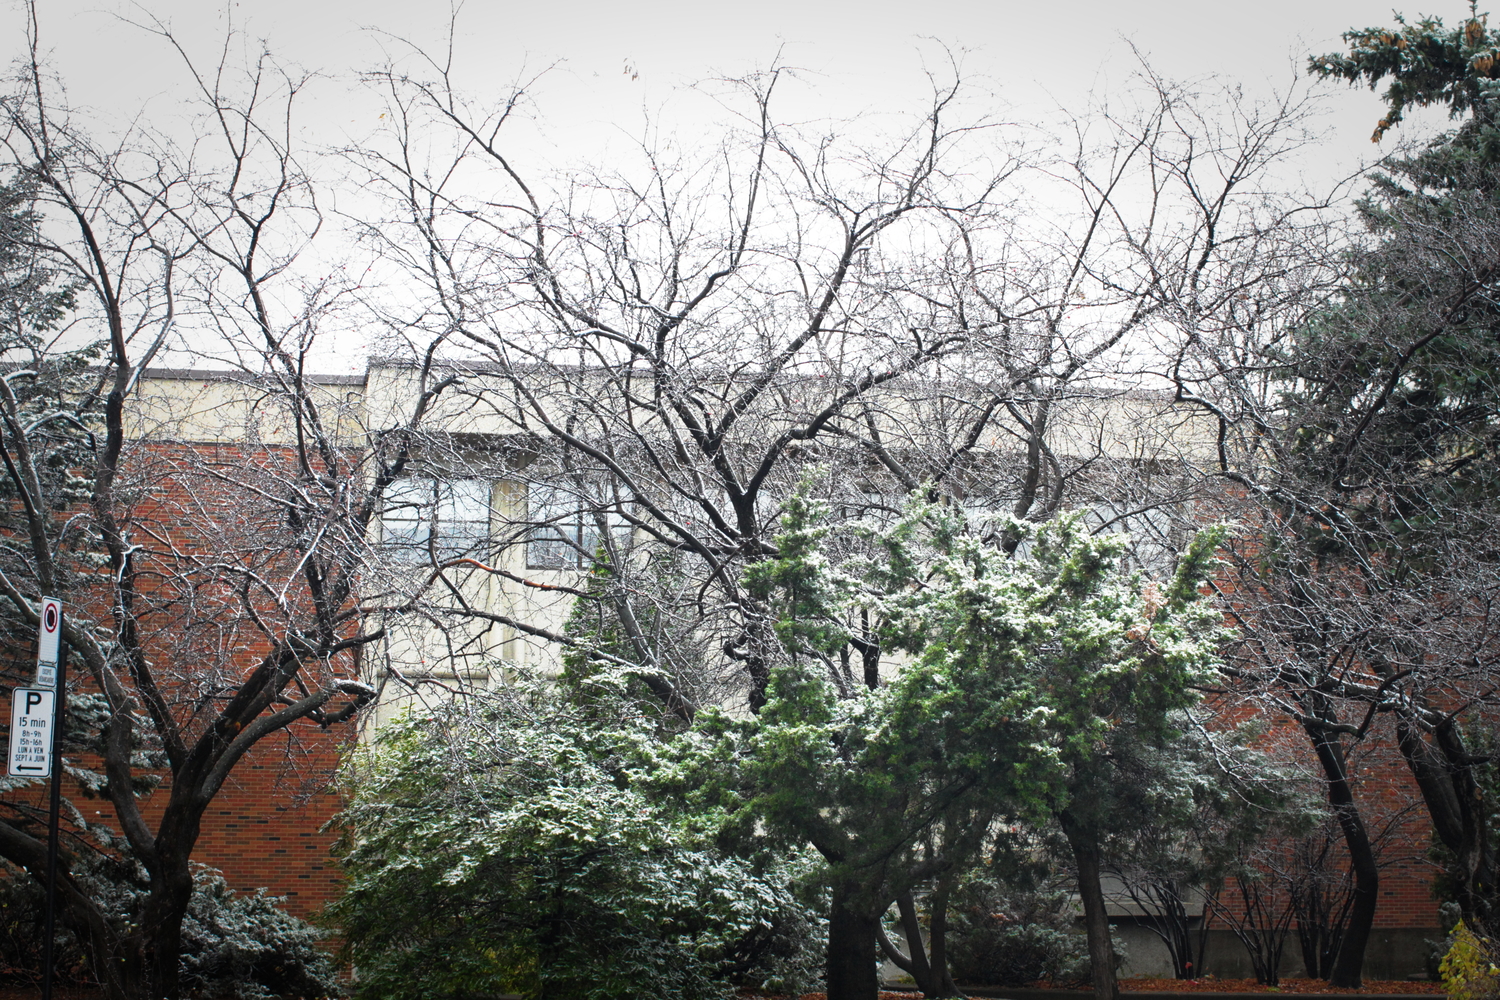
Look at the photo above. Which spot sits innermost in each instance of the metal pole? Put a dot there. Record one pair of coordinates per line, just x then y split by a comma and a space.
59, 708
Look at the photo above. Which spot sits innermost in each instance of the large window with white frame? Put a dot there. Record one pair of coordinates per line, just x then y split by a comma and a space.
568, 520
427, 515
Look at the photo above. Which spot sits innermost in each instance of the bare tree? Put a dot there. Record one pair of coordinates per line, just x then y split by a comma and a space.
215, 591
656, 354
667, 348
688, 340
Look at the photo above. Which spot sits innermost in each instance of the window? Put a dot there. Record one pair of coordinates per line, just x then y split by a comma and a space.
1150, 529
455, 513
565, 525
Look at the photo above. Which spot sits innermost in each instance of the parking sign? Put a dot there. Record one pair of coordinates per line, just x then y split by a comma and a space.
31, 732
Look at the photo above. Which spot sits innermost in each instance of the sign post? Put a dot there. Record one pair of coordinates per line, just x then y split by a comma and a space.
36, 718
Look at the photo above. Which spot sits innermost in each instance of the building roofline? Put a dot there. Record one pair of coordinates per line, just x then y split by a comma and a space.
461, 366
236, 375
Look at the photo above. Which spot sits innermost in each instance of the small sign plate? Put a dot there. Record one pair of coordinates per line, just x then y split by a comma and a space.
31, 717
48, 635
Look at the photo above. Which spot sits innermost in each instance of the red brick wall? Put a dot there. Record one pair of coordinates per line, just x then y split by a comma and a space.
1389, 804
265, 828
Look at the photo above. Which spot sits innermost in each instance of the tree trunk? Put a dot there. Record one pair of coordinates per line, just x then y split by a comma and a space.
1175, 931
1320, 929
1347, 967
1085, 846
914, 961
931, 974
852, 952
159, 939
1444, 773
942, 976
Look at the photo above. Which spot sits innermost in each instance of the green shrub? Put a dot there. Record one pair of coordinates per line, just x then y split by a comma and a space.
235, 946
507, 845
1012, 939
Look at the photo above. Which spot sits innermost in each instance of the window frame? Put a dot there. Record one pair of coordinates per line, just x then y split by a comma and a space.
571, 521
417, 508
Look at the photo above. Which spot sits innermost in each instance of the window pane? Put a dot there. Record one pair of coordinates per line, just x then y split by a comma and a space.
464, 501
553, 514
407, 519
456, 511
463, 515
607, 513
565, 525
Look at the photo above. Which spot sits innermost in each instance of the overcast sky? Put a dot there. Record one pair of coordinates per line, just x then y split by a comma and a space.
608, 63
603, 69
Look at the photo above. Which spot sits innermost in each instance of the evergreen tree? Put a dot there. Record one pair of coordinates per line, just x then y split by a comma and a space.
1365, 587
1021, 670
42, 389
1397, 395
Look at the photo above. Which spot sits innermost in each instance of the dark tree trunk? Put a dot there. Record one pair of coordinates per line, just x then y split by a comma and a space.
1320, 947
1177, 932
165, 952
1322, 911
853, 930
1165, 914
1085, 846
158, 941
931, 974
914, 962
1347, 966
942, 975
1444, 771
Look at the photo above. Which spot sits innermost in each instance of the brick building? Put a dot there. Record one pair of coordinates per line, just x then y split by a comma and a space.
481, 488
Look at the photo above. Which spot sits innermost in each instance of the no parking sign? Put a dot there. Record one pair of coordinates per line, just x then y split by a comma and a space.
48, 636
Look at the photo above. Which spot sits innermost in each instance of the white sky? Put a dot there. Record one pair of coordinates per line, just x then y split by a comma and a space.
606, 67
860, 56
